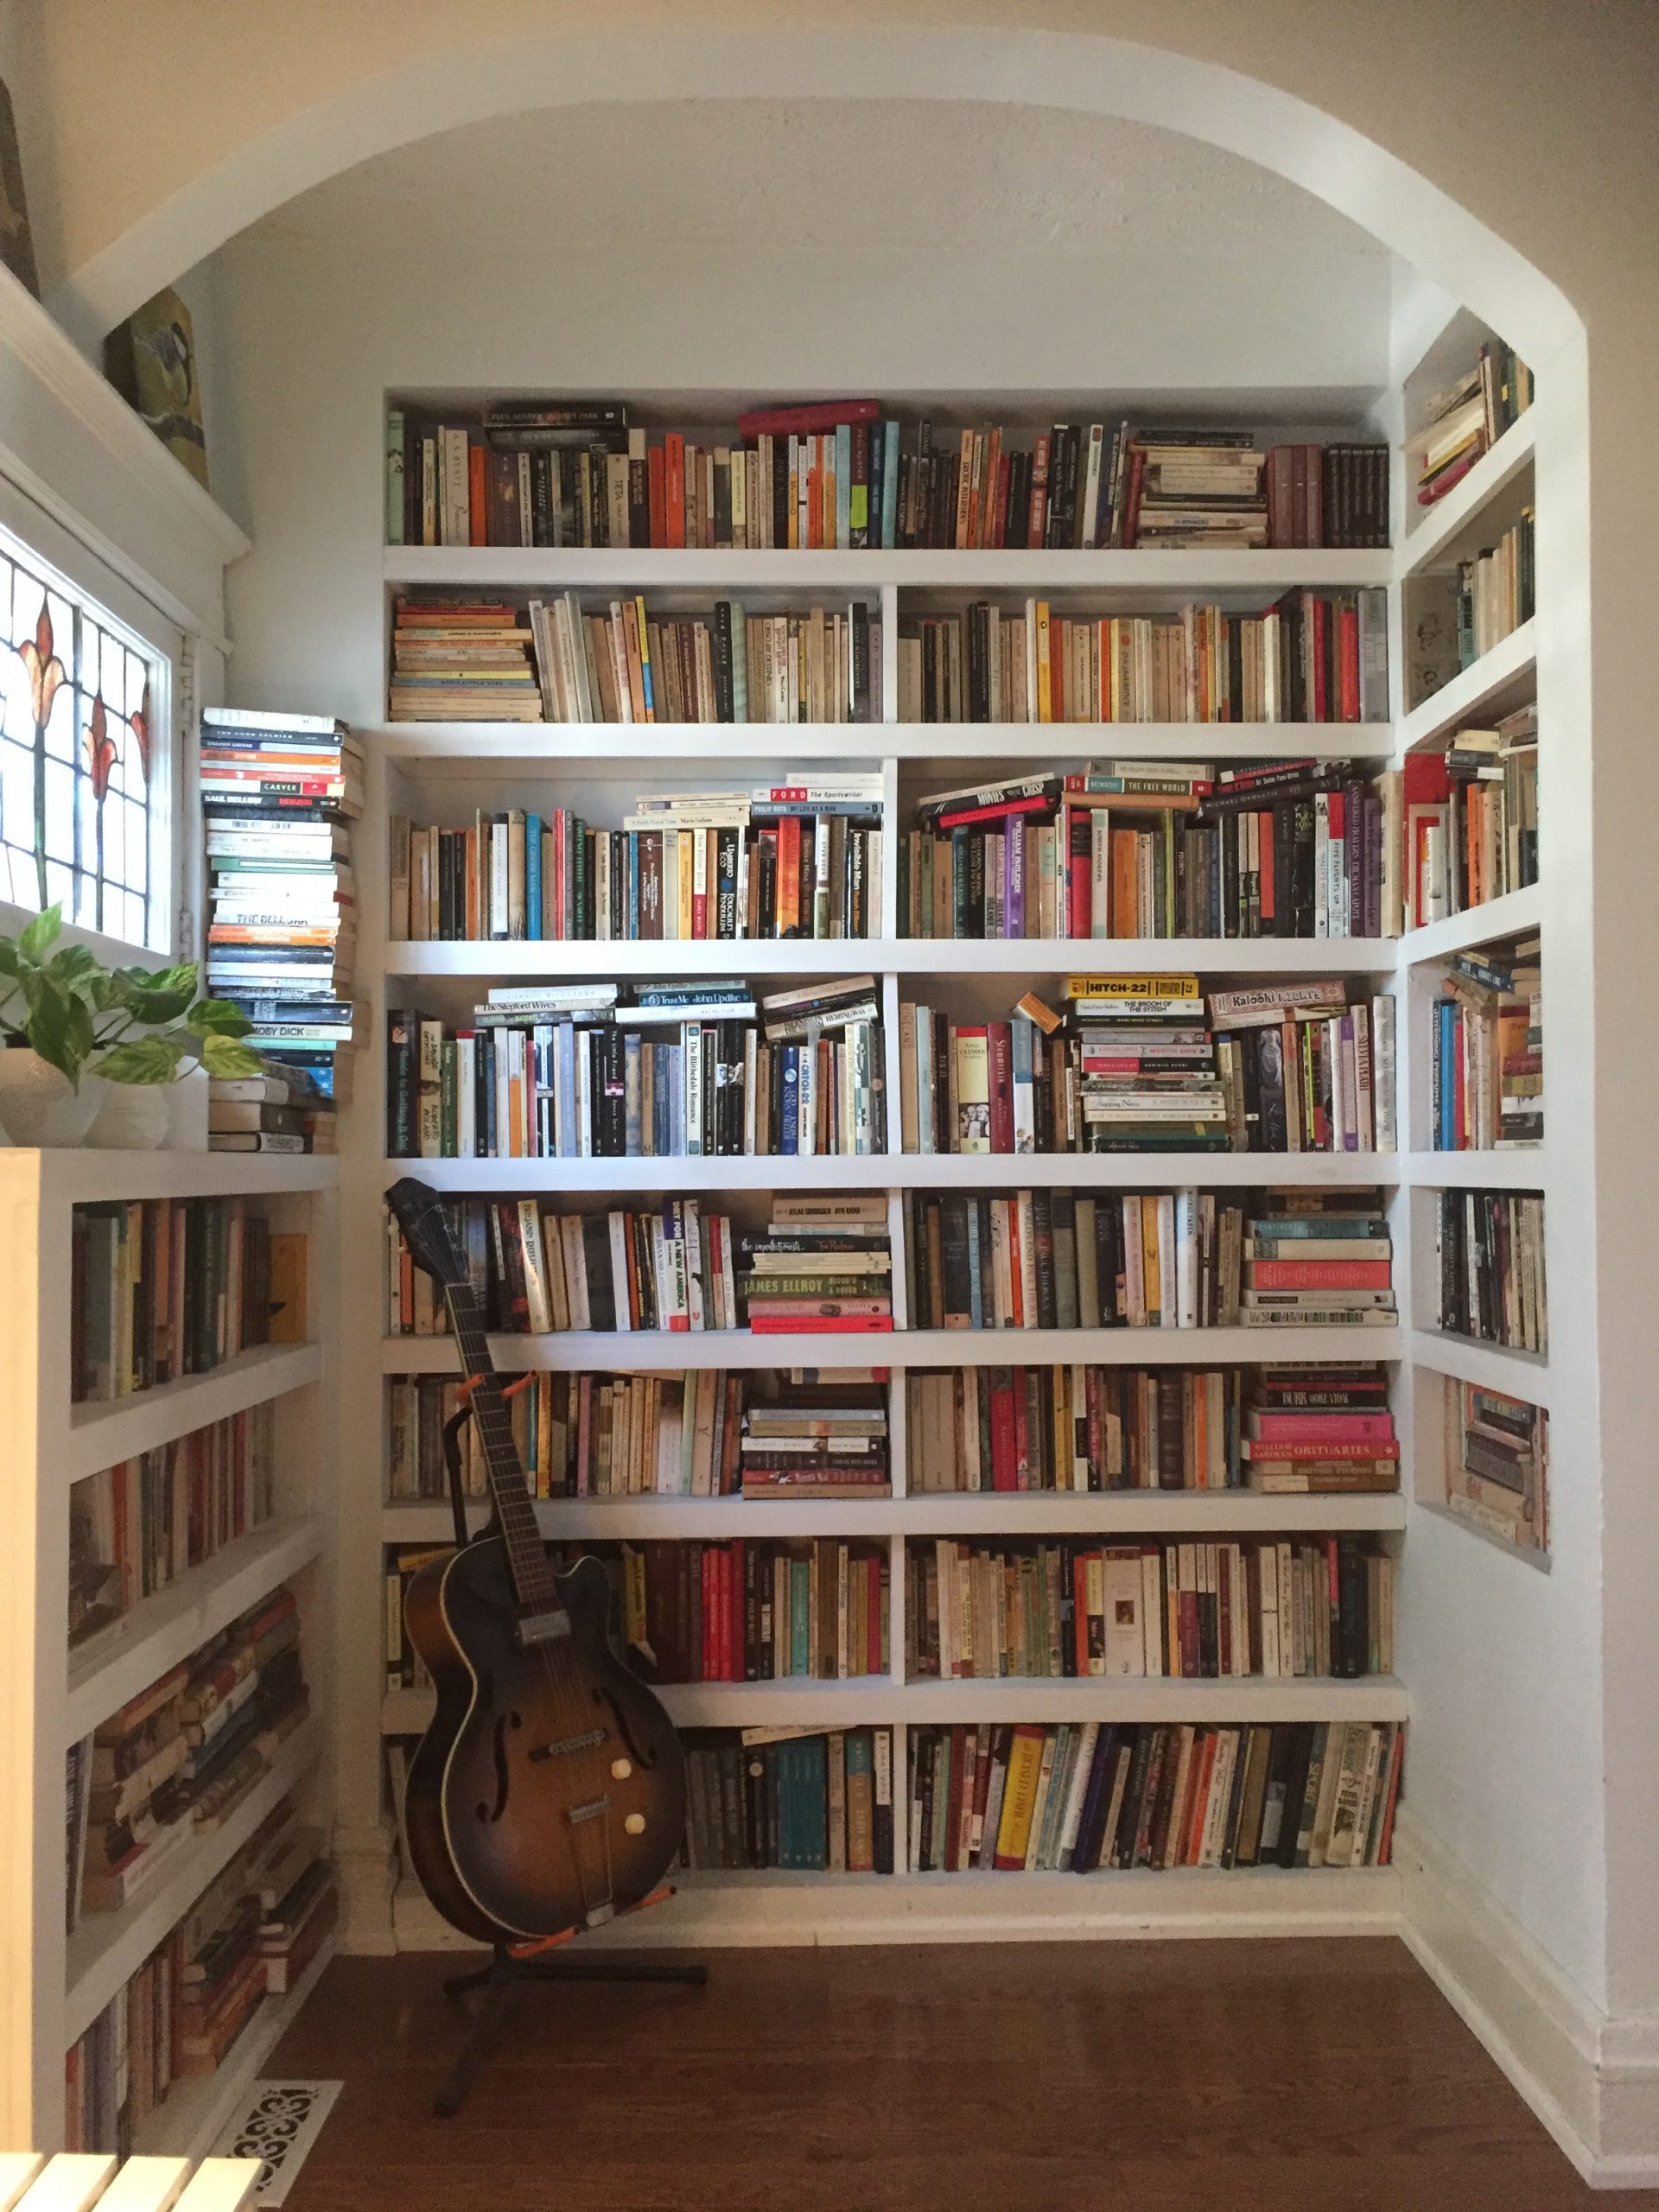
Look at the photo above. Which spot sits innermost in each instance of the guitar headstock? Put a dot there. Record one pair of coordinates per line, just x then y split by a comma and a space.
420, 1215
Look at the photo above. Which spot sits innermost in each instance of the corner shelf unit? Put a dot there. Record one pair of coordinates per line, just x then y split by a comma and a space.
57, 1984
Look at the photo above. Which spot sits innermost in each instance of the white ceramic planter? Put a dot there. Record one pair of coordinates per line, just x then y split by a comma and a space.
39, 1106
133, 1117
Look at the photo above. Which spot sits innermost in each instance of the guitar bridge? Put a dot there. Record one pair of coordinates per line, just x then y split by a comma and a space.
598, 1905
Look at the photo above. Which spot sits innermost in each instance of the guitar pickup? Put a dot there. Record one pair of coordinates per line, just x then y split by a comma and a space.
543, 1628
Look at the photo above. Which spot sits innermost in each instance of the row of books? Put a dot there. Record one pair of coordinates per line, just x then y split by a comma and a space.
552, 472
250, 1935
1079, 1796
1497, 1463
1086, 1427
697, 1070
1486, 1061
1498, 591
1466, 418
1043, 1259
1280, 1068
821, 1263
755, 1612
136, 1528
807, 1801
1487, 845
279, 794
798, 857
1293, 1606
162, 1287
1312, 657
176, 1760
1488, 1249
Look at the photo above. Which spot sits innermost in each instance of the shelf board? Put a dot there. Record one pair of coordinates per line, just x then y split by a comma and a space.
1442, 1509
199, 2108
1525, 1169
976, 1514
105, 1431
640, 568
1490, 1367
1499, 680
79, 1176
921, 957
458, 749
1513, 915
108, 1948
1456, 527
658, 1351
910, 1171
123, 1659
876, 1700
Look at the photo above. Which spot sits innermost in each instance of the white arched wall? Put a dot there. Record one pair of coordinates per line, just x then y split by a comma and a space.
1575, 1867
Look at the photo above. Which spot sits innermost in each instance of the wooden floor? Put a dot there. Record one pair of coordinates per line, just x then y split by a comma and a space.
1141, 2077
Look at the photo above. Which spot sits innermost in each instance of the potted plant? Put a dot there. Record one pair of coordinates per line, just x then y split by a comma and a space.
71, 1028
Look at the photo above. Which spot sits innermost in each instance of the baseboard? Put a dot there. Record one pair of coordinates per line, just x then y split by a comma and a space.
1592, 2080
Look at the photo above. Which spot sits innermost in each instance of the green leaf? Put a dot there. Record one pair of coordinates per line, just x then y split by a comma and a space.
49, 1031
181, 978
211, 1017
154, 1007
40, 933
76, 964
224, 1055
11, 965
77, 1029
142, 1059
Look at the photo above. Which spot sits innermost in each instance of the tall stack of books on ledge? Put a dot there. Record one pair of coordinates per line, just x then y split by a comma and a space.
1498, 1464
279, 792
1466, 419
843, 473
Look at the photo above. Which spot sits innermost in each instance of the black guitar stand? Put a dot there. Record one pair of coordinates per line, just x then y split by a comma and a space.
506, 1972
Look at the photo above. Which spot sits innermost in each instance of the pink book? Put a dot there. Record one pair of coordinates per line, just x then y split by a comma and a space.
1319, 1428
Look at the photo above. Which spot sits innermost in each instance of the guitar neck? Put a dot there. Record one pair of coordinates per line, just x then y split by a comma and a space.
532, 1577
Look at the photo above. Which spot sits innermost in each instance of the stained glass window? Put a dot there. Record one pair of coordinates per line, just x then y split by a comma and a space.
80, 699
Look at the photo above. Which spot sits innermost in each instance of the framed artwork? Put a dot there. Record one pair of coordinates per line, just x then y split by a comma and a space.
16, 246
151, 359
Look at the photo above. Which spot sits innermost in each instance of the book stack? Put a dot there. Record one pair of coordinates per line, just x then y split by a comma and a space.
135, 1527
1304, 1071
824, 1437
803, 1801
1487, 1068
699, 1070
1321, 1427
1198, 489
1296, 1607
1490, 1247
823, 1264
1489, 844
462, 661
626, 664
162, 1287
1073, 1428
128, 1811
1334, 495
1318, 1259
800, 856
1044, 1259
747, 1611
1312, 657
1078, 1796
280, 792
1149, 1079
1498, 1464
270, 1113
1465, 419
245, 1695
298, 1920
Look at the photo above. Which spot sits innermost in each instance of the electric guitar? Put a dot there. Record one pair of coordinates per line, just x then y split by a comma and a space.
549, 1793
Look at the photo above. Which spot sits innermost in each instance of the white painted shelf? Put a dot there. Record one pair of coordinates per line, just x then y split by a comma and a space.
658, 1351
1456, 527
1490, 1367
82, 1177
978, 1514
920, 956
104, 1431
910, 1171
1499, 680
1524, 1169
1513, 915
125, 1658
108, 1948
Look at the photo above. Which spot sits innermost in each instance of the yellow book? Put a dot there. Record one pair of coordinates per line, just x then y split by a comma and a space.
1132, 987
1045, 671
1020, 1795
288, 1316
685, 881
1151, 1275
645, 660
636, 1627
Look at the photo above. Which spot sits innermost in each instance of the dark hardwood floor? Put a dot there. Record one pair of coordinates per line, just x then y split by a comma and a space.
1141, 2077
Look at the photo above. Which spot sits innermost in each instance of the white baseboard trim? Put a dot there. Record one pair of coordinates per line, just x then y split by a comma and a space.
1592, 2080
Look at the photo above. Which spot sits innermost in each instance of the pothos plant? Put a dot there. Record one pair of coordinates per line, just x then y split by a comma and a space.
132, 1025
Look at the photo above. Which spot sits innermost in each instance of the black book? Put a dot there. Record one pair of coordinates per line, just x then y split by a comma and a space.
958, 1287
725, 696
1298, 1763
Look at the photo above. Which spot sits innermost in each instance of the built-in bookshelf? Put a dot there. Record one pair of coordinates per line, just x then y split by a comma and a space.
179, 1487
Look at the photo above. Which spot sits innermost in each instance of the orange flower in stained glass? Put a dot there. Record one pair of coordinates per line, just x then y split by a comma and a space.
141, 732
46, 670
100, 750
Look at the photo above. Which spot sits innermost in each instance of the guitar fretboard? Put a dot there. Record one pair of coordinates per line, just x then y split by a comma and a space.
532, 1577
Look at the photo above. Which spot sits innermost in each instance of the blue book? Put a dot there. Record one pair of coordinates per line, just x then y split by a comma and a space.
844, 484
791, 1096
533, 875
739, 662
976, 1302
634, 886
632, 1130
800, 1615
890, 484
1444, 1068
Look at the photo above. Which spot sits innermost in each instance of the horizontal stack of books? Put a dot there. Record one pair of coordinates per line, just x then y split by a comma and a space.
1466, 419
822, 1437
1302, 1606
135, 1527
162, 1287
1490, 1253
626, 664
1312, 657
755, 1612
822, 1264
840, 473
1487, 1064
699, 1070
1147, 1073
1319, 1427
457, 660
1318, 1259
270, 1113
1077, 1797
799, 856
798, 1799
1498, 1464
1073, 1428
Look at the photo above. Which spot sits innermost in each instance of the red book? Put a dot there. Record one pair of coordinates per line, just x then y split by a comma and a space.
1198, 1798
1080, 1613
478, 495
789, 875
1266, 883
737, 1654
803, 422
674, 489
1035, 805
709, 1661
1320, 1274
1186, 1629
999, 1038
1021, 1428
1277, 1448
1003, 1458
953, 1809
815, 499
1000, 521
1347, 659
1438, 487
1318, 1428
1132, 497
656, 494
838, 1323
1079, 847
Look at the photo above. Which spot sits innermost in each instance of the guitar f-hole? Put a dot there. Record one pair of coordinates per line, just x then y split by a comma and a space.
489, 1815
